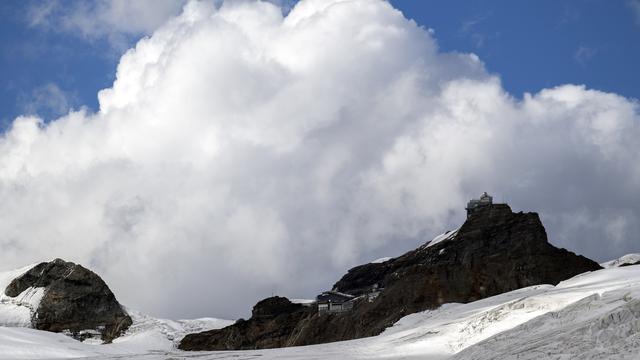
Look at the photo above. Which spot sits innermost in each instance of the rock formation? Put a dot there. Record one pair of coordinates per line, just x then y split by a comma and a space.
272, 322
630, 264
75, 300
494, 251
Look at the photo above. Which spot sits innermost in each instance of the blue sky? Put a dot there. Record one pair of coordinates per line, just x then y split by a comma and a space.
531, 45
538, 44
32, 57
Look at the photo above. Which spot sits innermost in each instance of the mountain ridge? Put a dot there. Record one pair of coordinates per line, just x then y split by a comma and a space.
493, 252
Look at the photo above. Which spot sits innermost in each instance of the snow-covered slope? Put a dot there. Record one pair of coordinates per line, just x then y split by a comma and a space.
147, 334
438, 239
163, 334
442, 237
591, 316
624, 260
17, 311
381, 260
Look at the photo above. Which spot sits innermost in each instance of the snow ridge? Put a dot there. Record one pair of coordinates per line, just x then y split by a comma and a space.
626, 259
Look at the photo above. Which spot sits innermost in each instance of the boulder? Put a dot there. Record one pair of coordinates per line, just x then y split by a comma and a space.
75, 301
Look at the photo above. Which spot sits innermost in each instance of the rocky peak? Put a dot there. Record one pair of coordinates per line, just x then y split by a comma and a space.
495, 251
274, 306
272, 324
41, 275
492, 215
75, 300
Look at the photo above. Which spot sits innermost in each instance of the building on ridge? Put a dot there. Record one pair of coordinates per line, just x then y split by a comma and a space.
334, 302
476, 204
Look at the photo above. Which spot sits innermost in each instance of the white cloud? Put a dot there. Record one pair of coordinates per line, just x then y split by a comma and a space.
240, 153
114, 20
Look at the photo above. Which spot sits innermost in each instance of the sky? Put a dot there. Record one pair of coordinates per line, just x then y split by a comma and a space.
233, 150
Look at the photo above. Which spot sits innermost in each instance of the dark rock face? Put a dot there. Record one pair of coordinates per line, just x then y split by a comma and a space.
75, 300
630, 264
495, 251
273, 321
272, 307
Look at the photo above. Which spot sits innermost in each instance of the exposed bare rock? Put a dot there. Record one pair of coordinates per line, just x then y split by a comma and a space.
75, 300
495, 251
273, 321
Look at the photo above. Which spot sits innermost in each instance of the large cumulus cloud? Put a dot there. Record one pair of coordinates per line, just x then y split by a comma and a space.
240, 153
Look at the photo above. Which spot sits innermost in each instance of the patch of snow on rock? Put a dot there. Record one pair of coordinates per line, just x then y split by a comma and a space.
381, 260
305, 302
17, 311
442, 237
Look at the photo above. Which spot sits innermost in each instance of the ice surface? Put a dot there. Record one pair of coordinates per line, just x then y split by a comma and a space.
146, 336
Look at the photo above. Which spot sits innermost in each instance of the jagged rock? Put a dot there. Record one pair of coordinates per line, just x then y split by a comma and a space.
271, 324
75, 300
274, 306
495, 251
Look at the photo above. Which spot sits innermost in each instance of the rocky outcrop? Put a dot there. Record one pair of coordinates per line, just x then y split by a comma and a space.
494, 251
272, 322
630, 264
75, 300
